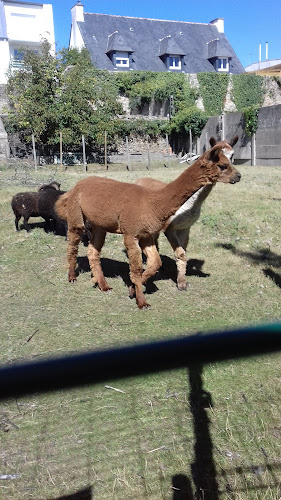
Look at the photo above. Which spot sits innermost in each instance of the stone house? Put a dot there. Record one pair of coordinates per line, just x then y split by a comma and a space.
118, 43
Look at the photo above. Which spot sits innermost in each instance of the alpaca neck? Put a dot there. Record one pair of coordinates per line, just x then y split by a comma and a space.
175, 194
195, 201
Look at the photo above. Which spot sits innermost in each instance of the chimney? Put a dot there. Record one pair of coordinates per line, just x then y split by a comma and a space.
219, 23
260, 52
77, 15
266, 51
77, 12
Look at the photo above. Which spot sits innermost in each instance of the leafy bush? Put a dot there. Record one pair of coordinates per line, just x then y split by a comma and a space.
213, 88
248, 90
189, 119
142, 87
251, 116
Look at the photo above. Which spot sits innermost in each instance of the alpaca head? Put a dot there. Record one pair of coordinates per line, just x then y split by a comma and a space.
222, 154
227, 147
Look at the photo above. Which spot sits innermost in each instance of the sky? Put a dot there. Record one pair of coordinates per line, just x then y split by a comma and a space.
247, 23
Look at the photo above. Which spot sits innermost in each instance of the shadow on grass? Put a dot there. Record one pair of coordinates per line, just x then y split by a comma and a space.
85, 494
203, 468
59, 230
181, 487
113, 268
263, 256
230, 475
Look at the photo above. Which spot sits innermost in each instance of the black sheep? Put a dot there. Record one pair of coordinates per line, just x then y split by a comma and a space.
26, 204
46, 209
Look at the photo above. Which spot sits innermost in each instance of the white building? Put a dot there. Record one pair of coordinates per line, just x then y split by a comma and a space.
264, 65
23, 25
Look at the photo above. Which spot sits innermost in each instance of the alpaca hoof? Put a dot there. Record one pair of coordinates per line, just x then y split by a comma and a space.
106, 289
143, 307
183, 287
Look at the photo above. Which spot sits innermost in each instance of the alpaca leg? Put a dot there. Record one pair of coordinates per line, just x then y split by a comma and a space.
72, 250
135, 261
154, 262
179, 241
94, 250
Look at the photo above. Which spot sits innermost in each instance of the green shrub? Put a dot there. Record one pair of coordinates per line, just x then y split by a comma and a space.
213, 88
189, 119
251, 116
248, 90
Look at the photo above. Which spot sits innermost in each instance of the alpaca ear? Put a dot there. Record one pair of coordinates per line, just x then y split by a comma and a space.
214, 155
212, 142
233, 140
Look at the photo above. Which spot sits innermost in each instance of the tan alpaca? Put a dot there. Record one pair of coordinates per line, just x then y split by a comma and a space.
136, 212
177, 227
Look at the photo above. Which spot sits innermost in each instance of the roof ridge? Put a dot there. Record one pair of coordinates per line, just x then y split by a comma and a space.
147, 18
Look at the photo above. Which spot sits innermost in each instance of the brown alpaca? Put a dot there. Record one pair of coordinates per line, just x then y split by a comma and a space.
178, 226
134, 211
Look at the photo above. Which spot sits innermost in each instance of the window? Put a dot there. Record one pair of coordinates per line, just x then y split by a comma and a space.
17, 58
122, 62
174, 62
122, 59
31, 16
223, 64
18, 54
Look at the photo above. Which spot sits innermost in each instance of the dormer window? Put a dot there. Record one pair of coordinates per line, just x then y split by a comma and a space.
122, 60
222, 64
174, 62
171, 53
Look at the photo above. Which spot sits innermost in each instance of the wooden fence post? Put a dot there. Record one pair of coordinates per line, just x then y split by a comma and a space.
253, 149
148, 156
84, 154
34, 152
105, 150
61, 150
168, 149
190, 141
128, 154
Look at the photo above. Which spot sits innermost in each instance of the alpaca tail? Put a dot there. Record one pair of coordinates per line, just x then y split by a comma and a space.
61, 206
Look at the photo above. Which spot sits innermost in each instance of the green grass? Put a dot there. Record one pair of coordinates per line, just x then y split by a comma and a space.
217, 426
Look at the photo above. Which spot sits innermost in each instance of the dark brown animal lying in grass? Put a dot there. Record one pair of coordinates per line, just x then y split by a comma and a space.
177, 227
136, 212
26, 204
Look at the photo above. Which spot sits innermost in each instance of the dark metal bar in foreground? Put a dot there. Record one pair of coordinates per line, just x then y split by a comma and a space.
77, 370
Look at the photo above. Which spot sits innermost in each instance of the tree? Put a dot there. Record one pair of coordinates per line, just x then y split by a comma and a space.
32, 92
62, 93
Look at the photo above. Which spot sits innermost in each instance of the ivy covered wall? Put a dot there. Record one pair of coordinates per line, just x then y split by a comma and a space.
179, 97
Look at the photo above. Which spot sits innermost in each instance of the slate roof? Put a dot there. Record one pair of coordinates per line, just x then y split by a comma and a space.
218, 48
169, 46
144, 37
116, 42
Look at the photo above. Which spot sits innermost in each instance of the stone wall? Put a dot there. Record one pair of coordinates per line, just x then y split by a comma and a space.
4, 145
267, 137
4, 103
